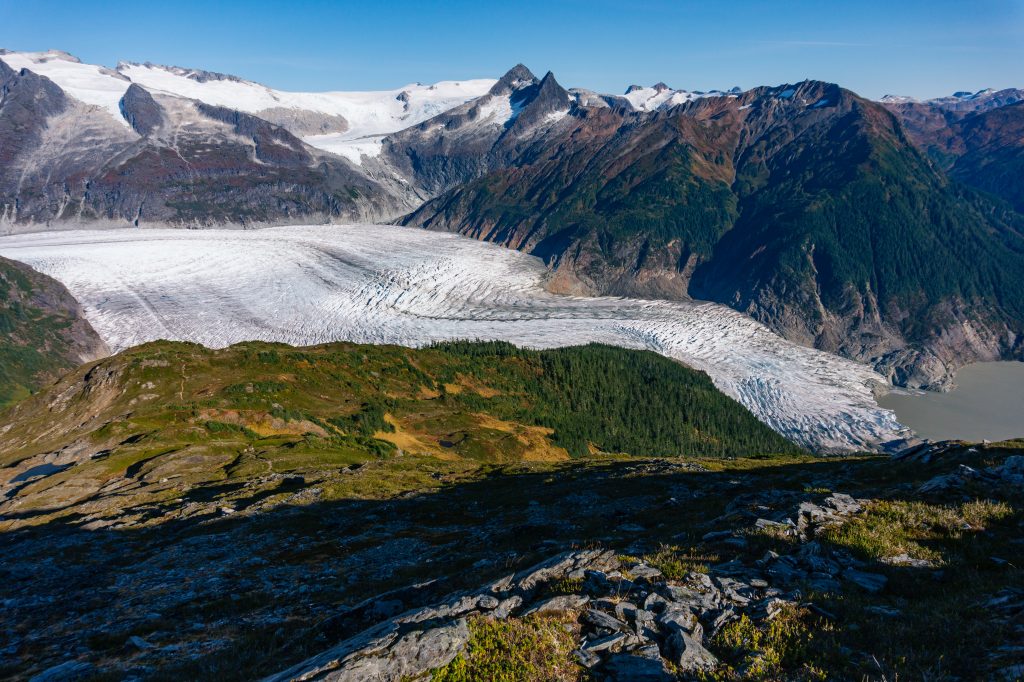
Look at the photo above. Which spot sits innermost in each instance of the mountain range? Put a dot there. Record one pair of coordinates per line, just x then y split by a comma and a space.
890, 232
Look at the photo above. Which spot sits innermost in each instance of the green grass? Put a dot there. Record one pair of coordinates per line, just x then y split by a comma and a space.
915, 528
676, 562
530, 649
191, 415
782, 648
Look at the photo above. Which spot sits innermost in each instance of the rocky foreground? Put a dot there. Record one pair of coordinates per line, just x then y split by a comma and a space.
863, 568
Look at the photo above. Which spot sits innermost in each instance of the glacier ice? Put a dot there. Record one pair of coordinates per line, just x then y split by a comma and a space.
382, 284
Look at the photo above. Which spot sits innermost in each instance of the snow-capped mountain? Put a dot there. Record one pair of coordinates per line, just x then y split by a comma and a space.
661, 96
338, 122
346, 123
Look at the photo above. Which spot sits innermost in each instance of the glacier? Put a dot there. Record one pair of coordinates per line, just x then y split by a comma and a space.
306, 285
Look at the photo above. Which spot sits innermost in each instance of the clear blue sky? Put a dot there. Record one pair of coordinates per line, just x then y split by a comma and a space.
915, 47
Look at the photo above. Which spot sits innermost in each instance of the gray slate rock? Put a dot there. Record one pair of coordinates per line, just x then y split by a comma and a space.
602, 621
688, 653
606, 642
870, 582
633, 668
558, 605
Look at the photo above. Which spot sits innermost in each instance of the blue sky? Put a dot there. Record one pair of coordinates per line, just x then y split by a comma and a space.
874, 47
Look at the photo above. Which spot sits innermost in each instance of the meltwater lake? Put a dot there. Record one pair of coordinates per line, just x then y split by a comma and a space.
988, 403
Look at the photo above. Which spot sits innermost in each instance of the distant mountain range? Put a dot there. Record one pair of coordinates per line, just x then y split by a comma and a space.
890, 232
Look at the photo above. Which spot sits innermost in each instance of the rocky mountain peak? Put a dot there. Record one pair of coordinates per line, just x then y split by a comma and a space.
634, 88
540, 100
514, 79
661, 87
808, 93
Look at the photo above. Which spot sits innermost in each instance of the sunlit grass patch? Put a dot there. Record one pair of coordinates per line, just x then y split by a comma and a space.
530, 649
917, 529
784, 648
676, 562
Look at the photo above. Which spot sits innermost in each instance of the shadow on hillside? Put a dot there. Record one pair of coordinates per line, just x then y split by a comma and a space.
235, 597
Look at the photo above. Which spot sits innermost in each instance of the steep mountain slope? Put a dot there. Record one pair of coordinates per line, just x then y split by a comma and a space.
43, 332
805, 206
493, 131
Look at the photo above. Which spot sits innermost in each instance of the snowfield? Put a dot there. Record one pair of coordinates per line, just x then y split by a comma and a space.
379, 284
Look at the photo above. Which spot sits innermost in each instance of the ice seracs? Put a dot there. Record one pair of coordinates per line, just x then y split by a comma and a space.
378, 284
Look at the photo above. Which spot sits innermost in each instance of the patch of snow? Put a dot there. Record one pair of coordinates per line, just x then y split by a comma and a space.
352, 149
654, 99
87, 83
823, 102
377, 284
787, 93
496, 110
555, 116
897, 99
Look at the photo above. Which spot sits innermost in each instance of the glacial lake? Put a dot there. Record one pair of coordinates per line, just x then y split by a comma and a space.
988, 403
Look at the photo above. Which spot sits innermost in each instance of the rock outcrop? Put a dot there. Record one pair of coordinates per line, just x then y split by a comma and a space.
634, 623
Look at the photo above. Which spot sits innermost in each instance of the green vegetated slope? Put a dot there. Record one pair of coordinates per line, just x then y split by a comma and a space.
166, 418
42, 331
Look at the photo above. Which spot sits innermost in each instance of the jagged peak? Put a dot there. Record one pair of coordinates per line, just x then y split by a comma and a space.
660, 87
801, 90
515, 78
550, 83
